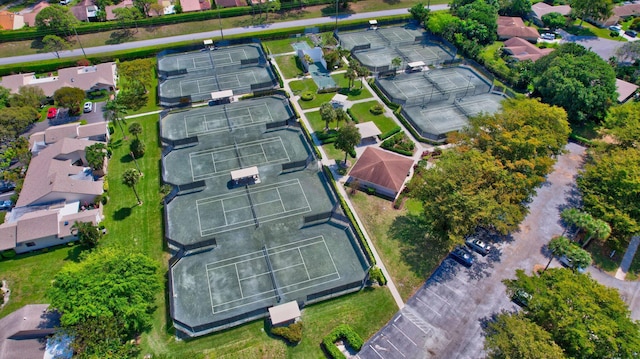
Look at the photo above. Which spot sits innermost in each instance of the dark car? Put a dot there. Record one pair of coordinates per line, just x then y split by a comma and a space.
52, 112
462, 256
478, 245
6, 186
631, 33
521, 298
4, 205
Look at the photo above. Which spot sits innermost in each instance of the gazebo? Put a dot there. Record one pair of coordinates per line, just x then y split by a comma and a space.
284, 314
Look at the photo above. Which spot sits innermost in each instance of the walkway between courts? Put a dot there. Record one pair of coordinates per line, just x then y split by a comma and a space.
331, 164
628, 258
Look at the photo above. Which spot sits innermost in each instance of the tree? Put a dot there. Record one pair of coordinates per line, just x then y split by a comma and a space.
99, 337
141, 71
143, 6
4, 97
362, 71
71, 98
130, 178
623, 123
138, 148
332, 57
348, 137
592, 227
608, 179
351, 75
135, 129
519, 8
554, 20
419, 13
55, 44
396, 62
630, 51
586, 319
558, 247
95, 155
125, 15
15, 121
578, 257
341, 115
591, 9
88, 234
327, 113
480, 21
441, 23
56, 18
133, 97
271, 6
578, 80
108, 285
28, 96
514, 336
114, 112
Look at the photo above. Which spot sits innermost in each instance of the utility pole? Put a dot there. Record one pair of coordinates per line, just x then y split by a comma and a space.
220, 21
337, 15
79, 43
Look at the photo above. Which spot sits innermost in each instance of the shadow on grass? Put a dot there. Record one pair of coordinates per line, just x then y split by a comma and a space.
122, 213
126, 158
120, 36
580, 31
420, 250
330, 10
74, 253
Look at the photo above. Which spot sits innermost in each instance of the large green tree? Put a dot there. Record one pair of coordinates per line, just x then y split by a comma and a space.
419, 13
578, 80
327, 113
110, 284
558, 247
5, 94
591, 9
140, 71
519, 8
28, 96
554, 20
623, 123
513, 336
56, 18
55, 44
88, 233
348, 137
15, 120
71, 98
585, 318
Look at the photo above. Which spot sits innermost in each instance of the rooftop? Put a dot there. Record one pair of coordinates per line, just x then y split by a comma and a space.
382, 168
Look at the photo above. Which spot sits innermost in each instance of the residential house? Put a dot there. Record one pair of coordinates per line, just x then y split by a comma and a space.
509, 27
11, 21
24, 334
94, 132
620, 13
195, 5
521, 49
230, 3
626, 90
30, 17
538, 10
108, 10
86, 10
88, 78
384, 171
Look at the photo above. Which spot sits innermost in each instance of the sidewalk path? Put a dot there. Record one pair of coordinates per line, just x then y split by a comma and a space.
628, 258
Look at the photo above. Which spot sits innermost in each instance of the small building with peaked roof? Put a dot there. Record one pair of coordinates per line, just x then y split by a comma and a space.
521, 49
23, 333
509, 27
626, 90
384, 171
11, 21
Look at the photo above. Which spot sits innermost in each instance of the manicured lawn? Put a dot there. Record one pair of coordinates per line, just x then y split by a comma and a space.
284, 45
289, 66
301, 86
361, 112
152, 104
356, 92
590, 30
400, 237
315, 121
600, 253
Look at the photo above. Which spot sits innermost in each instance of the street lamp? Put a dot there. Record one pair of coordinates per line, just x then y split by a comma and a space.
220, 21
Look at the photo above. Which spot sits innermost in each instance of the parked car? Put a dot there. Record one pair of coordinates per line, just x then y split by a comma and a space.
65, 2
631, 33
6, 186
548, 36
88, 106
567, 262
52, 112
462, 256
5, 205
616, 28
521, 298
478, 245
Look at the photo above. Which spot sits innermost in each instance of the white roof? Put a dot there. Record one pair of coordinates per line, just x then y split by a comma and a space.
208, 42
373, 22
368, 129
284, 312
339, 98
416, 64
221, 94
244, 173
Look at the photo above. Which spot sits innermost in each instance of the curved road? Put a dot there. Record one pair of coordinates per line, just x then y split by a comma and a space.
206, 35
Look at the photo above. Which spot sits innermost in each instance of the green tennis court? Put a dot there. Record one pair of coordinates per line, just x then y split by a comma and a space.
209, 59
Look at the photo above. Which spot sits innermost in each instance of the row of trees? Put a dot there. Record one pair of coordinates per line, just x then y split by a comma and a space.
569, 315
492, 173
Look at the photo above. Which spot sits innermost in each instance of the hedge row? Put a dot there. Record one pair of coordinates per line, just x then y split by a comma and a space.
307, 134
346, 333
9, 253
390, 133
292, 333
376, 275
275, 71
392, 105
352, 116
349, 214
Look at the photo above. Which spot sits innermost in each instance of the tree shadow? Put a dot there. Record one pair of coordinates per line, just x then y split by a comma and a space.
120, 36
391, 2
330, 10
38, 45
421, 250
116, 144
122, 213
74, 253
126, 158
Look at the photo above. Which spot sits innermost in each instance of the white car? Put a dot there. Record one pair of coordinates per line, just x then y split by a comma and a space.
617, 28
548, 36
65, 2
88, 107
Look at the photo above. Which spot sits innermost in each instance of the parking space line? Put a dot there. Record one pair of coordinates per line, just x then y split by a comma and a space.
405, 335
438, 296
396, 348
375, 351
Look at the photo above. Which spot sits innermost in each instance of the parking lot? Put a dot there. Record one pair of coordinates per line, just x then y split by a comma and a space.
443, 319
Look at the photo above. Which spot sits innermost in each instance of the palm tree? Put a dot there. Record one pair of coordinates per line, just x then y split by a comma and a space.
396, 62
328, 113
558, 246
135, 129
593, 227
114, 112
362, 72
341, 115
130, 178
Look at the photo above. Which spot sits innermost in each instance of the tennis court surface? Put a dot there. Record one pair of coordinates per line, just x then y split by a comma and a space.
207, 59
243, 248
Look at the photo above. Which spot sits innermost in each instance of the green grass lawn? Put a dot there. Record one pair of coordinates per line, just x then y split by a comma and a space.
361, 112
600, 253
357, 92
301, 86
315, 121
284, 45
591, 30
152, 104
289, 66
587, 130
400, 238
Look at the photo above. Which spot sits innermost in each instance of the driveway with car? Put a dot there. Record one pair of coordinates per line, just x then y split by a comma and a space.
605, 48
443, 319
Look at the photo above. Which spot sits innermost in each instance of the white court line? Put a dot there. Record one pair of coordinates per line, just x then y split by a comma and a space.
238, 276
375, 351
224, 213
210, 292
396, 348
303, 263
403, 333
284, 209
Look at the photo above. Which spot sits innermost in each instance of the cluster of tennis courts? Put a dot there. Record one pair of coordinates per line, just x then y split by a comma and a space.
194, 76
265, 252
380, 37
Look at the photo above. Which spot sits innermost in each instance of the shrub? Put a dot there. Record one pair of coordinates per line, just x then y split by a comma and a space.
371, 190
137, 147
292, 333
9, 253
375, 275
346, 333
399, 143
390, 133
307, 96
105, 185
614, 34
377, 109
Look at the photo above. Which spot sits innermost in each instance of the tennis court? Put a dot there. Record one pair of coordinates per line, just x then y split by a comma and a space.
224, 118
209, 59
349, 40
475, 105
381, 37
429, 54
399, 35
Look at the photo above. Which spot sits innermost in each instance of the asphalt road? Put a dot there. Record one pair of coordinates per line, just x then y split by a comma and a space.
206, 35
443, 319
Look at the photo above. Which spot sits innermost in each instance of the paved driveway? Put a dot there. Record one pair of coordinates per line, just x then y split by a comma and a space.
443, 319
605, 48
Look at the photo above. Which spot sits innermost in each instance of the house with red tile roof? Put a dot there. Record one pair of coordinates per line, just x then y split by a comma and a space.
626, 90
620, 14
30, 17
509, 27
384, 171
538, 10
11, 21
195, 5
521, 49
